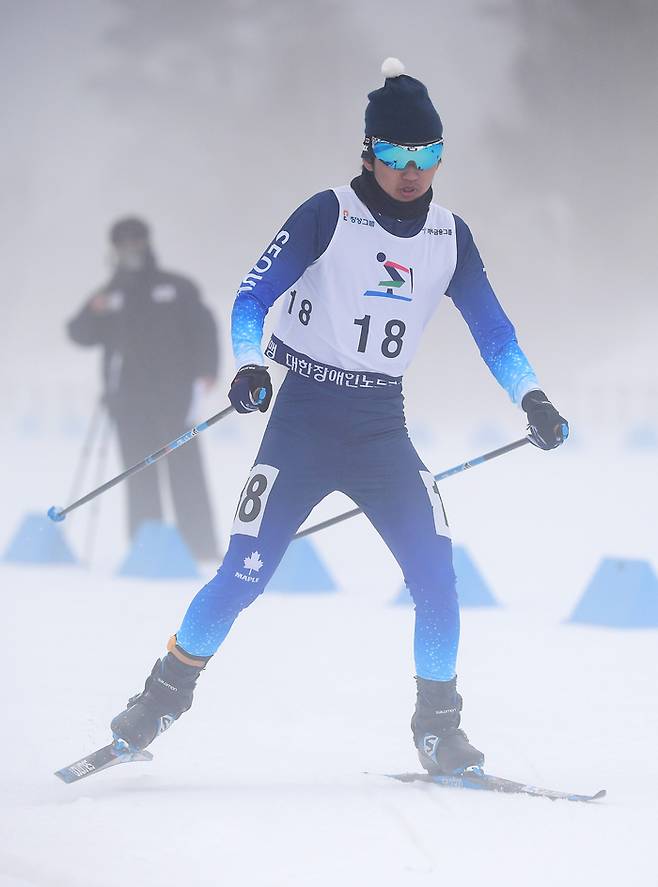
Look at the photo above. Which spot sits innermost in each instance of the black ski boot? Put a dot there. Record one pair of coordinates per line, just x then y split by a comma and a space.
442, 746
166, 695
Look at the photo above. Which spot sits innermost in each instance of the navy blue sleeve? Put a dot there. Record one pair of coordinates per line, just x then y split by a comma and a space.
492, 330
303, 239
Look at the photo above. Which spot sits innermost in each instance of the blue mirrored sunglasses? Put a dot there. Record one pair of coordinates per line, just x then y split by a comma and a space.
399, 156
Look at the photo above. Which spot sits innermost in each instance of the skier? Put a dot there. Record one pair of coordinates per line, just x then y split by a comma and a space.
159, 346
359, 269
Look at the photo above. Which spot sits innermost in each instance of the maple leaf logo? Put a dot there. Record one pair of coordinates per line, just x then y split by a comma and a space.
253, 562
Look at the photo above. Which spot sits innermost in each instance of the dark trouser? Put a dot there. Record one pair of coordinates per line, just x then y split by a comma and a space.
141, 435
319, 440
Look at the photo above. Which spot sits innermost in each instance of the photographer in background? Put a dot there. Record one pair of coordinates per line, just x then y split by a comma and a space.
160, 351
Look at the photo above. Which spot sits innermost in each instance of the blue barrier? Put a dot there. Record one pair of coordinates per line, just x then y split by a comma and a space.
623, 593
642, 437
158, 552
302, 571
30, 425
472, 588
38, 541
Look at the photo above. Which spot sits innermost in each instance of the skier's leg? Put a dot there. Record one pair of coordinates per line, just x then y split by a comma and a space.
293, 471
277, 498
281, 490
402, 501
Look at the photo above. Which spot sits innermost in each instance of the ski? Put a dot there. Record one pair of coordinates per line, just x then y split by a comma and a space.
473, 779
116, 752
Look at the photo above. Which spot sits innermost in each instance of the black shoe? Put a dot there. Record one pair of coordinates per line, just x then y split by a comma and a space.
442, 746
167, 693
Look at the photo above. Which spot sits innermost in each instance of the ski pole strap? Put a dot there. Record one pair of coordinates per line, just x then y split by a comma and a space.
478, 460
58, 514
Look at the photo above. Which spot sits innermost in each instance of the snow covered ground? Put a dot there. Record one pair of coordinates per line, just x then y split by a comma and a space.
275, 776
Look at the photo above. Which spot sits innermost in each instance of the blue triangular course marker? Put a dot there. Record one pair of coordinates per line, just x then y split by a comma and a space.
301, 571
29, 425
623, 593
38, 541
642, 437
158, 552
472, 589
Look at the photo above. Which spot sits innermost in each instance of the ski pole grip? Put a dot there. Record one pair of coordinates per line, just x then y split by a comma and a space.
258, 396
55, 513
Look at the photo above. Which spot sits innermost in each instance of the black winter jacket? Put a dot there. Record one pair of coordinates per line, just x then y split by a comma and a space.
157, 338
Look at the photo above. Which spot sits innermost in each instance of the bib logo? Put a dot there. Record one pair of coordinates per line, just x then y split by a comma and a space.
357, 220
396, 280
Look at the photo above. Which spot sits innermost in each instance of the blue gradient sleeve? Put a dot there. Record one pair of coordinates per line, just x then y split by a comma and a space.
302, 240
492, 330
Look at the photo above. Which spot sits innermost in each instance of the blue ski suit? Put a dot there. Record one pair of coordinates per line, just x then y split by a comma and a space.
326, 433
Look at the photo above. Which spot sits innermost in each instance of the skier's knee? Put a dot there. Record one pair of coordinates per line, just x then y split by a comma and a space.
435, 588
233, 590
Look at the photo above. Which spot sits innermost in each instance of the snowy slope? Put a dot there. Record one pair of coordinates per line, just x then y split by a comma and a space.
263, 783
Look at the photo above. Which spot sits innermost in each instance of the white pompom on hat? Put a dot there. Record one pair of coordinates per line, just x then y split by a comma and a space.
401, 110
392, 67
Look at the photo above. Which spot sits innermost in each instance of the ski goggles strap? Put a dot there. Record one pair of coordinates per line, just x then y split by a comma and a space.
399, 156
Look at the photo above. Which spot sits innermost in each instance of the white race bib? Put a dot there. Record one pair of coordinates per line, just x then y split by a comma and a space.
364, 304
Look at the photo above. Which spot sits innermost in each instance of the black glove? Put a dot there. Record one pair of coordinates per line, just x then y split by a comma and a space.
246, 391
547, 429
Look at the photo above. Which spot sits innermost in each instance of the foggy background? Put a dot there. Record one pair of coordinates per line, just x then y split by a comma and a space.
214, 120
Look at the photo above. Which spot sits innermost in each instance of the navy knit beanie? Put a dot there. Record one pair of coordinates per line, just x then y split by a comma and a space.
401, 110
129, 228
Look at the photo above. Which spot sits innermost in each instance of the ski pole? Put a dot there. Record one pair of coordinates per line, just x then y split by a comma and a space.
478, 460
58, 514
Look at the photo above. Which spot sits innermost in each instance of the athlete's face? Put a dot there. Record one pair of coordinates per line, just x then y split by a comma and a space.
402, 184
